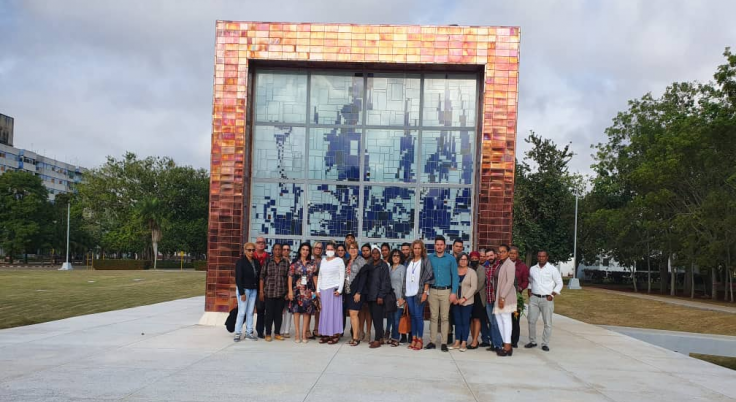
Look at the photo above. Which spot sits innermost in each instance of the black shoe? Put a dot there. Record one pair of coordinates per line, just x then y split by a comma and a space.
430, 346
545, 348
403, 339
261, 336
444, 348
530, 345
471, 347
484, 345
514, 345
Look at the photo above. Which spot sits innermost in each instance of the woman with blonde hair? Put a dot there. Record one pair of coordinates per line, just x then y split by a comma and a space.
419, 276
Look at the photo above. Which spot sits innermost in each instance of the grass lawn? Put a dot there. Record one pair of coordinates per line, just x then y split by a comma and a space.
30, 297
727, 362
602, 308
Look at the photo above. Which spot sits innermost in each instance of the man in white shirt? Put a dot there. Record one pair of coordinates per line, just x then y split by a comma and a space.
545, 282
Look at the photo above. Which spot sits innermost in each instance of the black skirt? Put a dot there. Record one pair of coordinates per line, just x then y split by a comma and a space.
479, 312
351, 304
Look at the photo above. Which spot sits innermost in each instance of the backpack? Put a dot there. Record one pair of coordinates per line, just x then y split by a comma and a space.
231, 318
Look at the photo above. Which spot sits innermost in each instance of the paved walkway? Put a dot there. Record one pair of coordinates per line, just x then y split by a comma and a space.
670, 300
682, 342
157, 353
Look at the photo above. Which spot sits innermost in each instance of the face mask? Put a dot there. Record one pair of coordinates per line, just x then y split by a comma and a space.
330, 253
474, 264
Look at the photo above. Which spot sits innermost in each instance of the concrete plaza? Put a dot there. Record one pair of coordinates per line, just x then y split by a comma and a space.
158, 353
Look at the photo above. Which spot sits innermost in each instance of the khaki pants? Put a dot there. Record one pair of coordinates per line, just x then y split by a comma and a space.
439, 308
539, 305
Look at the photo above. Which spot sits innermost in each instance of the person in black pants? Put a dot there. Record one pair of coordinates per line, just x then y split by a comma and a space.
522, 282
273, 289
261, 255
377, 287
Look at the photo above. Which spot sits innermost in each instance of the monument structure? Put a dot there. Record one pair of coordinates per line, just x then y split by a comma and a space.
392, 133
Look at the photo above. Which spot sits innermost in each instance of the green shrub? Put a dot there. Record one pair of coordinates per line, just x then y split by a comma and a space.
125, 265
200, 265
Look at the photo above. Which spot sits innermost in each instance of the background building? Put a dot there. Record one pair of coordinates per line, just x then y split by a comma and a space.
392, 133
57, 176
6, 130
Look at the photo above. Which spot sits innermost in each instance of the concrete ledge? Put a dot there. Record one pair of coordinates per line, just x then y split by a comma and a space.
682, 342
213, 319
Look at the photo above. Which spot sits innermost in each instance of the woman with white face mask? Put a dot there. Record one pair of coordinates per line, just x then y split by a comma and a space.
330, 282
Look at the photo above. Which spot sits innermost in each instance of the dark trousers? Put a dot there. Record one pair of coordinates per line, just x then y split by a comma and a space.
261, 319
274, 313
377, 316
515, 329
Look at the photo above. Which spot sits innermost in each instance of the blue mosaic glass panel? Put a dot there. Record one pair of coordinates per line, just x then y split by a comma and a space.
393, 99
281, 97
388, 212
450, 100
333, 210
447, 157
446, 212
334, 154
276, 209
390, 156
336, 99
278, 152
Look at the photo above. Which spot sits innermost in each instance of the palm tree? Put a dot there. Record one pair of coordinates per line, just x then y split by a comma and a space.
149, 211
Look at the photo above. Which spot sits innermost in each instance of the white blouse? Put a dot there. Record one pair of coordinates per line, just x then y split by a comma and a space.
331, 274
413, 274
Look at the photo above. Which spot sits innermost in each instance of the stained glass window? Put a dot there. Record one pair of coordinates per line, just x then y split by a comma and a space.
386, 156
280, 152
390, 155
449, 100
281, 97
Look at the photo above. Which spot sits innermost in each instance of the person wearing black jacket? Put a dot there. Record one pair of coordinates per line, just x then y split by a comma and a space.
377, 286
247, 272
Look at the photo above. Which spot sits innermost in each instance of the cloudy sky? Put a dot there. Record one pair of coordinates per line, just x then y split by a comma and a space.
86, 79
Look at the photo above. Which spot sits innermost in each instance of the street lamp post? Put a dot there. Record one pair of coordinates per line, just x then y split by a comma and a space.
574, 281
67, 266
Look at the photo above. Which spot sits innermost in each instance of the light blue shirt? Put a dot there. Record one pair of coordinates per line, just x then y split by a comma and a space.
445, 271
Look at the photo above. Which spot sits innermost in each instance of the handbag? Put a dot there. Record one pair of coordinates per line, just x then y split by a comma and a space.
389, 302
405, 322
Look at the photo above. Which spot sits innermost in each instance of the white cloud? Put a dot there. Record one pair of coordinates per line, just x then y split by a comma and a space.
88, 79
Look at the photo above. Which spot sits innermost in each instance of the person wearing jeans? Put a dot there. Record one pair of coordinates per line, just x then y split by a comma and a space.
247, 271
398, 283
419, 277
463, 306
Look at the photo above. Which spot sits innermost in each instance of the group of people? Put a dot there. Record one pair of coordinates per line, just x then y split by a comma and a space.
476, 294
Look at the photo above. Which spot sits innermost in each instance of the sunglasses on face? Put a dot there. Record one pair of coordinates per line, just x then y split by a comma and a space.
250, 249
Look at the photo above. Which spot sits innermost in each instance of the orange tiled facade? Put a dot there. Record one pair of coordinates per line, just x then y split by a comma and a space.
495, 50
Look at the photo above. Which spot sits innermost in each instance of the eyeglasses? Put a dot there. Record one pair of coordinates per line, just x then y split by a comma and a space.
250, 249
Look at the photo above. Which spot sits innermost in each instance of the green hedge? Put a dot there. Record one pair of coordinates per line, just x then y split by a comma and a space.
171, 264
127, 265
200, 265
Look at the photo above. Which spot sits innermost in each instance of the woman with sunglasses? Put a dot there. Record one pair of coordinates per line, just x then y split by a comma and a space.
302, 286
398, 283
247, 273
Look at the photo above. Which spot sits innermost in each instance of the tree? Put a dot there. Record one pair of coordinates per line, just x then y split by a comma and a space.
544, 200
24, 212
149, 212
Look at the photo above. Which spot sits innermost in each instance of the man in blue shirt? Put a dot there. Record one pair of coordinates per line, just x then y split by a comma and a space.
442, 293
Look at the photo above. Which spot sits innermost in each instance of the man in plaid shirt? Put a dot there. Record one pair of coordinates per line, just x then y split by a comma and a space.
273, 289
491, 278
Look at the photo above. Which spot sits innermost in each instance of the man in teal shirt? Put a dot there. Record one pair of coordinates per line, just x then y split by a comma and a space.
442, 293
